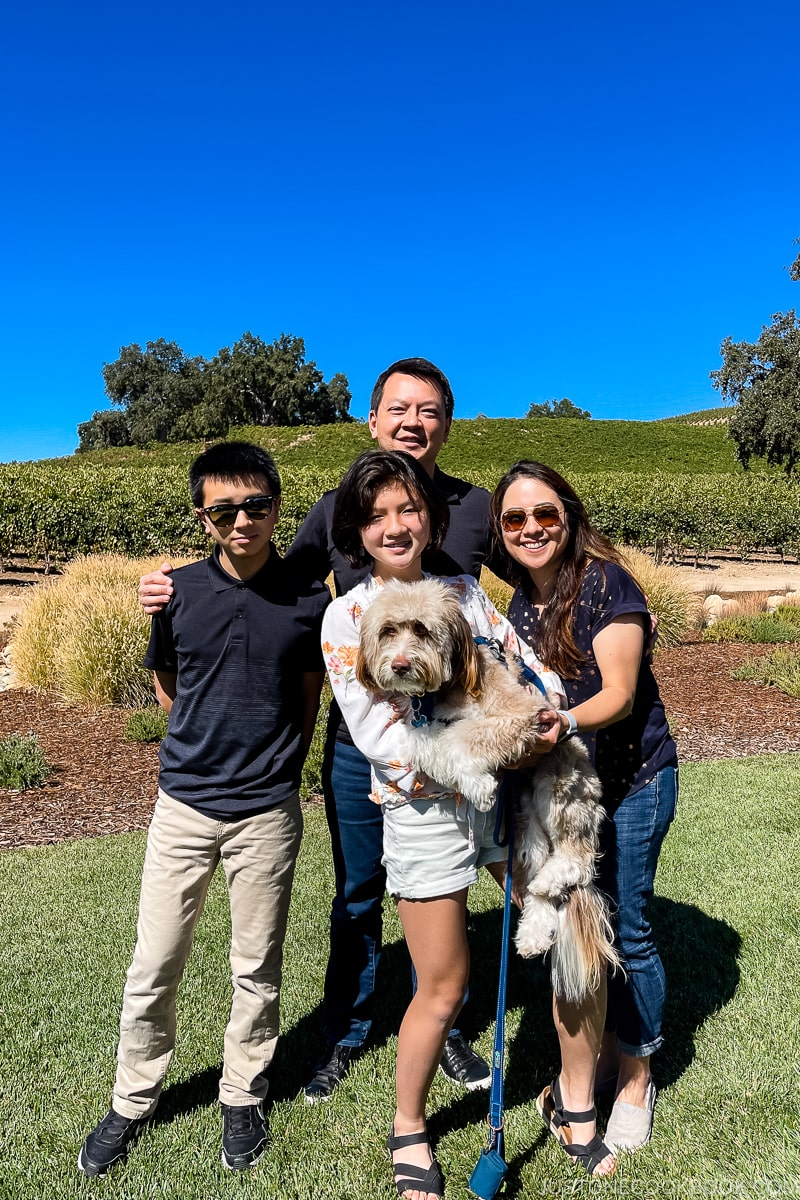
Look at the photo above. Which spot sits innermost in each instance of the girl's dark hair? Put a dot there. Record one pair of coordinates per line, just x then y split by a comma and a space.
556, 645
355, 499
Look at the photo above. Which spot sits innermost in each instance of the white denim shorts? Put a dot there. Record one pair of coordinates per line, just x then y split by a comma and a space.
434, 847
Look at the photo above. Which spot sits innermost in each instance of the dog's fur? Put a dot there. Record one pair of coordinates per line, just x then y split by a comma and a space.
415, 640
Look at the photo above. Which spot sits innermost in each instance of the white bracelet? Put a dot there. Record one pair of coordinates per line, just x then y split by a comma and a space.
572, 726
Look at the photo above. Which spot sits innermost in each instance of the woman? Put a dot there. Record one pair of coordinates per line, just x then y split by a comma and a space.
589, 621
387, 511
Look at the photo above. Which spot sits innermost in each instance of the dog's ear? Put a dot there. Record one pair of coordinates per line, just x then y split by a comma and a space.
363, 674
466, 663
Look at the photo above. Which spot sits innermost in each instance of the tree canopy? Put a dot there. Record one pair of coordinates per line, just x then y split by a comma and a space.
163, 395
762, 379
558, 408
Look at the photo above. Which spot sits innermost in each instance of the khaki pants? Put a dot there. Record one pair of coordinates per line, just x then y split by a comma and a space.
183, 848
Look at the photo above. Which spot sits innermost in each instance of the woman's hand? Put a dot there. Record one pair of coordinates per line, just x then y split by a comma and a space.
546, 737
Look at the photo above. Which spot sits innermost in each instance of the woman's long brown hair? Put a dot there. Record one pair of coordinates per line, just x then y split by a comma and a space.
585, 544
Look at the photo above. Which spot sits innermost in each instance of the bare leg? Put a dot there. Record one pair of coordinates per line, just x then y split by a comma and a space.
580, 1030
436, 935
634, 1076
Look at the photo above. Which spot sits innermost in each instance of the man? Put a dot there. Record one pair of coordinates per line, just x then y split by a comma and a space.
411, 409
238, 667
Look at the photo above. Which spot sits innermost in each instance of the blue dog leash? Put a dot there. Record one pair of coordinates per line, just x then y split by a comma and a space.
526, 673
491, 1167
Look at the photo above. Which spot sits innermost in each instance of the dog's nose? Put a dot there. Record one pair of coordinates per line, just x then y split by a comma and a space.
400, 664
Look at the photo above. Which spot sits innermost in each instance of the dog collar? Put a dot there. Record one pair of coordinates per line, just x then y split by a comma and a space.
422, 708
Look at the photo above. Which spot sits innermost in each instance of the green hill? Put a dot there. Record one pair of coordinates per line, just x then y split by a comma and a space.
484, 446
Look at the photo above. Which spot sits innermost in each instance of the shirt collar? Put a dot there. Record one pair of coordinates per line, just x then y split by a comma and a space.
221, 581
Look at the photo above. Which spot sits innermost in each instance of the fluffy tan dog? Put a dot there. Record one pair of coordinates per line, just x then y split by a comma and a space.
476, 718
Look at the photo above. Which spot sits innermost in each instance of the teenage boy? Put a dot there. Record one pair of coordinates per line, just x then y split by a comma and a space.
237, 663
411, 409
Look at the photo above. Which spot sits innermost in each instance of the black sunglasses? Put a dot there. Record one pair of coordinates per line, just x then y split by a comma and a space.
254, 507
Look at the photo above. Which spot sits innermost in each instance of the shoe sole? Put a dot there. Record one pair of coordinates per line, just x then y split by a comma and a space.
475, 1085
236, 1165
94, 1170
318, 1099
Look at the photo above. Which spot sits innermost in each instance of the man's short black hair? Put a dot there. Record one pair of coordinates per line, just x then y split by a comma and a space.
420, 368
355, 499
233, 461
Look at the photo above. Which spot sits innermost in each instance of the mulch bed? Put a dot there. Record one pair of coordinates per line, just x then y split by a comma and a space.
103, 784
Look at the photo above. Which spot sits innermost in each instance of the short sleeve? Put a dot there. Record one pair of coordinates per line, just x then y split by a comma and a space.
161, 654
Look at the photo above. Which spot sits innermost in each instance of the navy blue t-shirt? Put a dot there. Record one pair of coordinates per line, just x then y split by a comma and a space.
628, 754
239, 648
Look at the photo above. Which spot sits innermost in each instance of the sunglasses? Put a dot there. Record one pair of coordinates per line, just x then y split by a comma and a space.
545, 515
254, 507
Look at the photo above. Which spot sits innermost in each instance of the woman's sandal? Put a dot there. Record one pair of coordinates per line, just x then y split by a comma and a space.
409, 1178
557, 1119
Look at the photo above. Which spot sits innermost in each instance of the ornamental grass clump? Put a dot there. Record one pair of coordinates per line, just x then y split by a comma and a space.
83, 635
780, 669
762, 628
669, 597
146, 724
23, 763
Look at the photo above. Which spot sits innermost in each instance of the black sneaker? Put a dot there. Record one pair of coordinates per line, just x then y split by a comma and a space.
461, 1064
244, 1135
109, 1142
330, 1072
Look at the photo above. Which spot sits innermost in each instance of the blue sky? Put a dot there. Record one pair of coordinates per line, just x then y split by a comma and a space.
573, 200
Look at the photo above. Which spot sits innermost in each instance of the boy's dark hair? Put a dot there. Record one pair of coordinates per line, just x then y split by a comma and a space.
355, 499
420, 368
229, 461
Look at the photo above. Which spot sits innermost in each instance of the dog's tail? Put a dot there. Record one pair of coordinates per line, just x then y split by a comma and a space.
584, 947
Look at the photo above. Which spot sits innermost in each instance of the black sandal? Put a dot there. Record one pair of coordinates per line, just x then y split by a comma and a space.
408, 1177
557, 1119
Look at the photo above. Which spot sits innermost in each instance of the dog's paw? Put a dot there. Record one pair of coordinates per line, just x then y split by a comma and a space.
558, 874
537, 928
481, 791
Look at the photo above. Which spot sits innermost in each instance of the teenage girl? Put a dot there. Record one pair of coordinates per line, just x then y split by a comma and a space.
388, 512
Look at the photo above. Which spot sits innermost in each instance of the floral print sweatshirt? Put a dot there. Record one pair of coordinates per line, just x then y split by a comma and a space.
374, 723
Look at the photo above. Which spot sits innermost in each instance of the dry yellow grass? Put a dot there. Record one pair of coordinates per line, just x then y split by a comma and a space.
83, 634
672, 600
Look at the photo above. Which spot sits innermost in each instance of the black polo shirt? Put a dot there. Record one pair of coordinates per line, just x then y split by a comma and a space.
234, 744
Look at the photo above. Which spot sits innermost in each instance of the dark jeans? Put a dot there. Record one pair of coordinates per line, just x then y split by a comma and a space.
356, 827
631, 842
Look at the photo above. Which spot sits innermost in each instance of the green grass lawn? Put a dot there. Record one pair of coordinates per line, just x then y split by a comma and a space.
727, 920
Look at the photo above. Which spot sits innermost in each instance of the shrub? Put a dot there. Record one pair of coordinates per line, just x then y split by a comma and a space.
762, 628
780, 669
146, 724
83, 634
669, 596
22, 763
